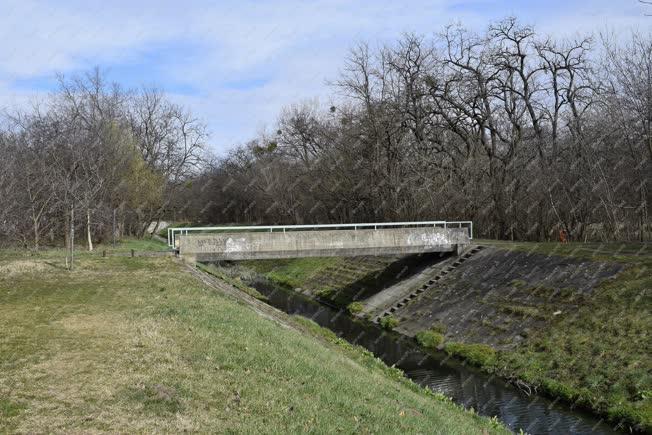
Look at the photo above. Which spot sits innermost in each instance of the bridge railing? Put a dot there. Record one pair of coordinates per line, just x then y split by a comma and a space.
174, 232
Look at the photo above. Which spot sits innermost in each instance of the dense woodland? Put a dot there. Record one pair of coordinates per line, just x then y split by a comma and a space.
522, 133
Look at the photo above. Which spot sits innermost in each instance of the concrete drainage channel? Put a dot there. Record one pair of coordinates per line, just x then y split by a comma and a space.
467, 386
431, 282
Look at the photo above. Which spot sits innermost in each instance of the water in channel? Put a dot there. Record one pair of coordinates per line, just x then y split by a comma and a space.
469, 387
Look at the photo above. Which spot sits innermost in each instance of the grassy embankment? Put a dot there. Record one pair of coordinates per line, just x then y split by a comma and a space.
599, 358
138, 344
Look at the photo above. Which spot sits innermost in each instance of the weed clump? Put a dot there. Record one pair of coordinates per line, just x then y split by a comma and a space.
10, 409
388, 322
430, 339
355, 307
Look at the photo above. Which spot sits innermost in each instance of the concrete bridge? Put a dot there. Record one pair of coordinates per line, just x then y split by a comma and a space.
291, 241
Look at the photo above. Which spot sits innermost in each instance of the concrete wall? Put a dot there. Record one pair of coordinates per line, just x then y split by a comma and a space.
262, 245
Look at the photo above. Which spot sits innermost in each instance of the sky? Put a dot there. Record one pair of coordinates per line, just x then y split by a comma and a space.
235, 64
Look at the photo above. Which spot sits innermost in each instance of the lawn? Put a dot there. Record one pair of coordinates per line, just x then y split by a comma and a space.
139, 344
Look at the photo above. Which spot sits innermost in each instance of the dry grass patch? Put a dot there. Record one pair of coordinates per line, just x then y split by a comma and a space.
14, 268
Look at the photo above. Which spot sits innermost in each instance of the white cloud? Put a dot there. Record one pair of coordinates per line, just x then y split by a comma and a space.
293, 45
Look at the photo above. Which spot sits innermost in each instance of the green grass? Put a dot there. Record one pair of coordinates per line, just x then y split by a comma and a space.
294, 272
139, 345
123, 246
127, 244
600, 356
479, 355
10, 409
625, 252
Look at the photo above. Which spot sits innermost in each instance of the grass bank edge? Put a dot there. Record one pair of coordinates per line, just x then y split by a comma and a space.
369, 360
356, 352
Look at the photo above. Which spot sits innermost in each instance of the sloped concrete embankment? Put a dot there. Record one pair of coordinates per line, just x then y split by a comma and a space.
492, 296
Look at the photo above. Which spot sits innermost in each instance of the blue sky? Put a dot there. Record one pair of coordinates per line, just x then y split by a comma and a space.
237, 63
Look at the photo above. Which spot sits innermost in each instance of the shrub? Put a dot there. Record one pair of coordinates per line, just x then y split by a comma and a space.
477, 354
388, 322
430, 339
355, 307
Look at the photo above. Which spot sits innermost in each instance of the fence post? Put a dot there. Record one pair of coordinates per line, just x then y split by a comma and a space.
132, 253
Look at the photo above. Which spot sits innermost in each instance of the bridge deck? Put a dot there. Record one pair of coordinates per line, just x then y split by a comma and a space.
230, 243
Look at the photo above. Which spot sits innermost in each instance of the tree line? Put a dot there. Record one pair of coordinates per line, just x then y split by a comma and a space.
93, 160
524, 134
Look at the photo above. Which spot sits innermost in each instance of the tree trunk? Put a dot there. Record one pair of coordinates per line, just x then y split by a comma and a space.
36, 234
88, 229
72, 237
158, 222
